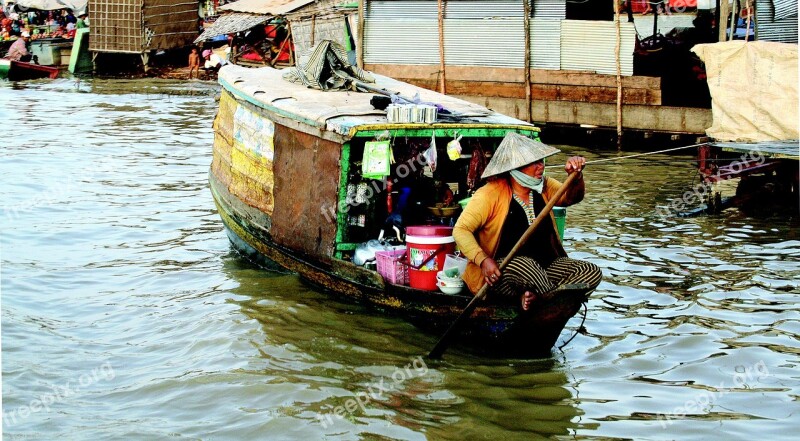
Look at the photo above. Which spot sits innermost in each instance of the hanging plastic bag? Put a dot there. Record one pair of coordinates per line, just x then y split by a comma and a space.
377, 161
454, 148
430, 156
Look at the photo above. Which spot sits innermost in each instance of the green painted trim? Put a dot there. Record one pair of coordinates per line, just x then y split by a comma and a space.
468, 132
347, 34
80, 61
5, 68
341, 215
346, 246
241, 95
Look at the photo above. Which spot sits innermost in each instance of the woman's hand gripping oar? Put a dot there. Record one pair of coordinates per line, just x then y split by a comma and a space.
444, 342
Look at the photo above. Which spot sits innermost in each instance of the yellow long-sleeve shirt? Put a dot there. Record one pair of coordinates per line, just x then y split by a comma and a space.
477, 231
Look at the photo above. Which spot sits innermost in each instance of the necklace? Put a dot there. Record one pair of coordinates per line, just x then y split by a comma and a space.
527, 207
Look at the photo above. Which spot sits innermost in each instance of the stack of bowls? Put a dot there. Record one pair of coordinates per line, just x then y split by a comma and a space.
449, 285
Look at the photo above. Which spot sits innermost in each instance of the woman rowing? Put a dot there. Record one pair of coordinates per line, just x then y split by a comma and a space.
500, 212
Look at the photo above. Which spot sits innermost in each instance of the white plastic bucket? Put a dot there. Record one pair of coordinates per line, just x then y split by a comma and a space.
453, 261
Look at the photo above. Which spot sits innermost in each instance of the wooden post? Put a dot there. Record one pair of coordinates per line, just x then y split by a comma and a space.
313, 28
747, 25
527, 23
735, 5
362, 11
619, 73
723, 20
442, 77
283, 44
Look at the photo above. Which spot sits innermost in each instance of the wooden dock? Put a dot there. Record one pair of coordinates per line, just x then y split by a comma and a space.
560, 97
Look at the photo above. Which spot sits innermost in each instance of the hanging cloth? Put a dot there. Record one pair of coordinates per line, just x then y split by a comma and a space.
328, 69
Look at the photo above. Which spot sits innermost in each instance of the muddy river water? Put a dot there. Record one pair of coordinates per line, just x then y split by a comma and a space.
126, 315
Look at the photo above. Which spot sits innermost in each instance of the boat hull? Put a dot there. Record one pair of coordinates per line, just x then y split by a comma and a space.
493, 329
284, 156
21, 71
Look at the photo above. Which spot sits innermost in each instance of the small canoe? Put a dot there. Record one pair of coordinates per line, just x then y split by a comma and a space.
286, 159
20, 71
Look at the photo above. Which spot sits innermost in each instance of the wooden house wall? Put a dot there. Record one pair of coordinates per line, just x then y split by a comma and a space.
559, 97
571, 82
332, 28
306, 182
116, 26
169, 24
136, 26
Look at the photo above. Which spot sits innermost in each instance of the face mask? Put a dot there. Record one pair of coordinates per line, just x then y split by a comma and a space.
535, 184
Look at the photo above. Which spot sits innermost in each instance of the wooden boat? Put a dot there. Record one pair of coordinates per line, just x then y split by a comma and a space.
20, 71
284, 156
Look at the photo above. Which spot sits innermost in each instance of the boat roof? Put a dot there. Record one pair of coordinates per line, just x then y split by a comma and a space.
343, 112
787, 149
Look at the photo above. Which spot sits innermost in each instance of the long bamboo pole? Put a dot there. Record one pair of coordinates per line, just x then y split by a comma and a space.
723, 20
527, 23
442, 69
619, 73
747, 26
362, 11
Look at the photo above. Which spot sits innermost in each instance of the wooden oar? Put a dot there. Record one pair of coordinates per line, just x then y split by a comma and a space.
441, 346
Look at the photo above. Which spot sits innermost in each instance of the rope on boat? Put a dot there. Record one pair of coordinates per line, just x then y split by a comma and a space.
577, 331
598, 161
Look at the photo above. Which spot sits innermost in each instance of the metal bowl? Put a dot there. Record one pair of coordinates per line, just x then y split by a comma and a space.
444, 211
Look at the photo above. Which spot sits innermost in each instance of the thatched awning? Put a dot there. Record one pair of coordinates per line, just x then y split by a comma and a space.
271, 7
232, 23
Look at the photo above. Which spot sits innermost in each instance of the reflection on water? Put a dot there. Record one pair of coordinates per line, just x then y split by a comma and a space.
113, 256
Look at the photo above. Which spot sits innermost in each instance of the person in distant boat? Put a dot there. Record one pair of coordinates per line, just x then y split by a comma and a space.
19, 49
500, 212
83, 22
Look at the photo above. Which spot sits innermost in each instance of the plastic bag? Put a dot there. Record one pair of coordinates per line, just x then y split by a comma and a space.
454, 148
430, 155
377, 161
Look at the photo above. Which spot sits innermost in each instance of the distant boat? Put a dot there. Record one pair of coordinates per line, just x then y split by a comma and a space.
20, 71
286, 162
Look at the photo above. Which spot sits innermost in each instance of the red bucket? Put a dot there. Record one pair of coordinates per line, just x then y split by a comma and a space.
427, 247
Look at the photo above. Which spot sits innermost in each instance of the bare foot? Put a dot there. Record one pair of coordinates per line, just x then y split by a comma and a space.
527, 300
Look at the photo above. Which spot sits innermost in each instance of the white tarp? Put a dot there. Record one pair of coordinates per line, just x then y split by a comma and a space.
754, 90
78, 7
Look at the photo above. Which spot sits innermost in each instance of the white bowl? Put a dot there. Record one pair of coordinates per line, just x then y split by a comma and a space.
450, 289
440, 277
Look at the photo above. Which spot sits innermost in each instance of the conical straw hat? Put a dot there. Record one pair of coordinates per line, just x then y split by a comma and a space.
516, 151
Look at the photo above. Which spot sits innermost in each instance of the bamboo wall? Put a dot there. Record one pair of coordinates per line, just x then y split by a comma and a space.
137, 26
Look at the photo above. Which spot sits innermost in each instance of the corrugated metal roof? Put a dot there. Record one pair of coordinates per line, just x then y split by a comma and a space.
482, 9
454, 9
401, 42
545, 44
272, 7
774, 149
768, 29
494, 42
230, 23
402, 10
549, 9
589, 46
784, 9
